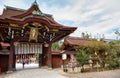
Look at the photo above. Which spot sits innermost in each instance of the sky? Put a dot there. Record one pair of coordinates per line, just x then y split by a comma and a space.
98, 18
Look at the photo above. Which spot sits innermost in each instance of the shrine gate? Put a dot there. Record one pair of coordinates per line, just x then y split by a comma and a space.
30, 26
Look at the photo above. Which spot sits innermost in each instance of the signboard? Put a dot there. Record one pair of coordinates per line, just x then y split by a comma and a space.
64, 56
33, 34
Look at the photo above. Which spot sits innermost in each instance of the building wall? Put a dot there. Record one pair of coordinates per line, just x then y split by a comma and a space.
57, 60
4, 62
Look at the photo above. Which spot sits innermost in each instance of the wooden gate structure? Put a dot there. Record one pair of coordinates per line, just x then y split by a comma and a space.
31, 26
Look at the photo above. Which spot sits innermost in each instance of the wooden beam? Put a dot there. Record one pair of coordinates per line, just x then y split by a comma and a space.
58, 37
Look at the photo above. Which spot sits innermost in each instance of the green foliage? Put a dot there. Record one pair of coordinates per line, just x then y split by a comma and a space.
115, 47
118, 34
56, 46
115, 42
82, 57
112, 63
113, 58
104, 53
85, 35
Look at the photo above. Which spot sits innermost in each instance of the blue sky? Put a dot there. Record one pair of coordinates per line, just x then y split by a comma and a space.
90, 16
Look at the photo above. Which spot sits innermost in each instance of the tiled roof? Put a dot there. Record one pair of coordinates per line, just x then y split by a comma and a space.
10, 12
75, 41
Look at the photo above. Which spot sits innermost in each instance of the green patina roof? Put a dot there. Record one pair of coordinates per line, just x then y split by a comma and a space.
47, 14
34, 3
38, 12
13, 8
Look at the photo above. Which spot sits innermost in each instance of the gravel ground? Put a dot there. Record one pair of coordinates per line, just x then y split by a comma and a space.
35, 73
103, 74
57, 73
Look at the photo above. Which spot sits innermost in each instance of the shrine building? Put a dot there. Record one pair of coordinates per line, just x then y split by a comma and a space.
28, 31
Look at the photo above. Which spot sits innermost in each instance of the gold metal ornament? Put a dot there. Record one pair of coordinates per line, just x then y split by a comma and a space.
33, 34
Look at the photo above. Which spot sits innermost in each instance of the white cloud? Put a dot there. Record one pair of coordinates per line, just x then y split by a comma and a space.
108, 20
1, 9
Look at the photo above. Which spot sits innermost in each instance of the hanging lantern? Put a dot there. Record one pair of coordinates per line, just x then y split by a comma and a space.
22, 31
46, 45
64, 56
18, 48
40, 49
28, 49
12, 34
9, 31
37, 48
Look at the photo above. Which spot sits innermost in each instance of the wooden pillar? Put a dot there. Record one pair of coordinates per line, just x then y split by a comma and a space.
40, 61
43, 55
14, 60
49, 56
46, 56
11, 64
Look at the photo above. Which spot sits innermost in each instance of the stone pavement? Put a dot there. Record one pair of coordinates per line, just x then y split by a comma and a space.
1, 77
102, 74
57, 73
35, 73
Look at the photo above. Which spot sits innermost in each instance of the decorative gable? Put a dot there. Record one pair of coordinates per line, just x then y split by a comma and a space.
33, 10
36, 12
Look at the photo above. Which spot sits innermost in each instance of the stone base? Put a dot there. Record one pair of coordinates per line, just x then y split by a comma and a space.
49, 68
9, 72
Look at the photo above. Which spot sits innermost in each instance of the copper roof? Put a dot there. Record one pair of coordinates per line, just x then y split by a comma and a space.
60, 53
7, 13
75, 41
